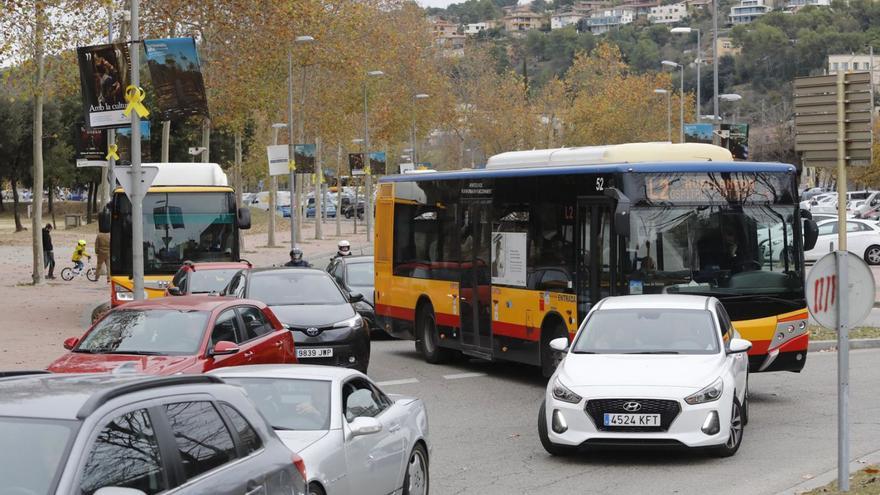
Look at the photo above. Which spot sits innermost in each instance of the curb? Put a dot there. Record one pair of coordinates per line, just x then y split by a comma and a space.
831, 345
829, 476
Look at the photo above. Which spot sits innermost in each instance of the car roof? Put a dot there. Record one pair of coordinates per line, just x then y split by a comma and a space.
356, 259
300, 371
655, 301
74, 396
218, 265
295, 269
198, 303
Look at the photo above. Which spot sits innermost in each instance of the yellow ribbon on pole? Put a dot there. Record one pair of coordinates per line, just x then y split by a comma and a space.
134, 96
291, 165
111, 152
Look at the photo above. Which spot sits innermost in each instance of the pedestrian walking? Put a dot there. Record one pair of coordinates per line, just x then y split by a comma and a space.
48, 251
102, 250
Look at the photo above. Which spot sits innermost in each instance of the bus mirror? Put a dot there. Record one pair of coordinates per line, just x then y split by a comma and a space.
104, 220
621, 211
244, 218
811, 234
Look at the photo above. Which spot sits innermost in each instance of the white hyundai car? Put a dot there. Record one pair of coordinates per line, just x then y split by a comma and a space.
658, 370
353, 438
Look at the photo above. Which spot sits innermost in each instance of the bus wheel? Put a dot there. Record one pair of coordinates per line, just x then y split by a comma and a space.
550, 359
426, 337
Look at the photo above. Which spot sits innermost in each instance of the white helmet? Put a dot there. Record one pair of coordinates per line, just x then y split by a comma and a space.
344, 248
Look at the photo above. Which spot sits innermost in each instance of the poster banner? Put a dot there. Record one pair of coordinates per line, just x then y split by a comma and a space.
698, 133
377, 163
104, 75
509, 258
91, 144
735, 137
356, 163
304, 158
407, 167
279, 156
177, 77
123, 140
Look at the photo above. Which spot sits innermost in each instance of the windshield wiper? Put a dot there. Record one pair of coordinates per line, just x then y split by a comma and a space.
136, 353
652, 352
282, 428
764, 297
583, 352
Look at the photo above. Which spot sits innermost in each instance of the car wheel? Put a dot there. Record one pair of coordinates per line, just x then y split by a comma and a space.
426, 337
416, 479
550, 359
734, 440
316, 489
550, 447
872, 255
745, 405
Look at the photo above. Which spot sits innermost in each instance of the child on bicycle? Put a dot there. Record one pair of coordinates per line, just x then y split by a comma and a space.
79, 253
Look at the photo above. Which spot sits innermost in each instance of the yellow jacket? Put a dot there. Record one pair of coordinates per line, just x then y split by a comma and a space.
79, 253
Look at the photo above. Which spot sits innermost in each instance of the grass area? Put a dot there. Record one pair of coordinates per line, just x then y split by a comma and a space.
864, 482
820, 333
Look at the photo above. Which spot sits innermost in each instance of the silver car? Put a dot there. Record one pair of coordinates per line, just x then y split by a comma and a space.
353, 437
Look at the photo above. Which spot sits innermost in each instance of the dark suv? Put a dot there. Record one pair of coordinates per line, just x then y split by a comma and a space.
127, 433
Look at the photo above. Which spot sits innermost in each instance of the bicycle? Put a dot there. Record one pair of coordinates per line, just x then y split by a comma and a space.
91, 273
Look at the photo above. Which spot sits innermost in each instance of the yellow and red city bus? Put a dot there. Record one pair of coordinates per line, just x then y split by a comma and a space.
189, 214
496, 262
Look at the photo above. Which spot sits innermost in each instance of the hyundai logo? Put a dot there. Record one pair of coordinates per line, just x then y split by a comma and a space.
313, 332
632, 406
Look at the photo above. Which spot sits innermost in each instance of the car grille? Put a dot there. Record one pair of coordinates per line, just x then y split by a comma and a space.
667, 409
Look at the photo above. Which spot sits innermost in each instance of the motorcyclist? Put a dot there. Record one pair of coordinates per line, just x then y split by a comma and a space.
343, 249
296, 259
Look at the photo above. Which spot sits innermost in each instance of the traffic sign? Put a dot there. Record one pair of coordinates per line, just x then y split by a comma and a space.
819, 112
823, 291
124, 176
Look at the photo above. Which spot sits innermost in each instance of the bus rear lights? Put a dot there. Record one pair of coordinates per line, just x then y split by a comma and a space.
802, 325
559, 424
781, 336
790, 328
711, 425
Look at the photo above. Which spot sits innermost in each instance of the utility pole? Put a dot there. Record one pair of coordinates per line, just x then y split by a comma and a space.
290, 146
714, 66
137, 193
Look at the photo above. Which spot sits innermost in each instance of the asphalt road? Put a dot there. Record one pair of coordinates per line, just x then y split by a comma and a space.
483, 420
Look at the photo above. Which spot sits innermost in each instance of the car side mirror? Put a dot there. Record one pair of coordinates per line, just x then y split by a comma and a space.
71, 343
355, 297
560, 344
365, 426
118, 490
224, 348
811, 234
621, 211
737, 346
244, 218
174, 291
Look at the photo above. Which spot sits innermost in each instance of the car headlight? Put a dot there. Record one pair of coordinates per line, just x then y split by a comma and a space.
708, 394
353, 322
561, 392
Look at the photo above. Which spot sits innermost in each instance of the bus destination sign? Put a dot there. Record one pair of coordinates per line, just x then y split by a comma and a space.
729, 187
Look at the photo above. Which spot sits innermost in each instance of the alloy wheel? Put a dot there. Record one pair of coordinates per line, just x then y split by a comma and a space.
736, 427
873, 255
417, 478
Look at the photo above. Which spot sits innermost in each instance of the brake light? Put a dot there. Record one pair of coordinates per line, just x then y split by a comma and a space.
300, 466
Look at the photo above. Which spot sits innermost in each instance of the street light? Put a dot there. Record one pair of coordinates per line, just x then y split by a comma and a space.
368, 211
416, 97
300, 40
668, 111
273, 187
674, 65
356, 141
732, 97
699, 61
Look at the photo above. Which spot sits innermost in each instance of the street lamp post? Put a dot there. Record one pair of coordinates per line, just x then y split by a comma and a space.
356, 189
714, 59
674, 65
368, 202
290, 143
668, 111
699, 62
273, 188
416, 98
732, 97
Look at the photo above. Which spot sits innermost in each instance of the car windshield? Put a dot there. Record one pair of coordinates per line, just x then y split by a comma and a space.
289, 404
205, 281
360, 274
156, 331
34, 464
713, 250
295, 286
648, 331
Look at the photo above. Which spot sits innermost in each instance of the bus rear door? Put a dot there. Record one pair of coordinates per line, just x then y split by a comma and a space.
475, 291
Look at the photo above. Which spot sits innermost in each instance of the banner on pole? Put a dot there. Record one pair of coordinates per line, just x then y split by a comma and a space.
356, 163
177, 78
698, 133
278, 156
304, 158
735, 137
123, 141
377, 163
91, 144
104, 75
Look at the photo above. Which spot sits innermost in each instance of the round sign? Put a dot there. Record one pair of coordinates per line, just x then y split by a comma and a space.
823, 290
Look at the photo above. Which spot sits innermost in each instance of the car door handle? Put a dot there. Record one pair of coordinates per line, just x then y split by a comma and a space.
393, 428
254, 488
249, 354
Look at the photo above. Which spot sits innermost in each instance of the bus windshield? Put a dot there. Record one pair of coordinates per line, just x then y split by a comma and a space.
720, 250
178, 226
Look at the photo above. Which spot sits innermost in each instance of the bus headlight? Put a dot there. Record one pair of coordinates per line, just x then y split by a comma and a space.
123, 293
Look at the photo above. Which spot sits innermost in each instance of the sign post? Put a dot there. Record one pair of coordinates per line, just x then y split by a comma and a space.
137, 191
840, 294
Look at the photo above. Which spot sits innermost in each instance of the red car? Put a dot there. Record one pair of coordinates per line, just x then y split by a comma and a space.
188, 334
204, 278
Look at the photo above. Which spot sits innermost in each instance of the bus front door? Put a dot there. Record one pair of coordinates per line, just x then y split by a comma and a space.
475, 289
594, 255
